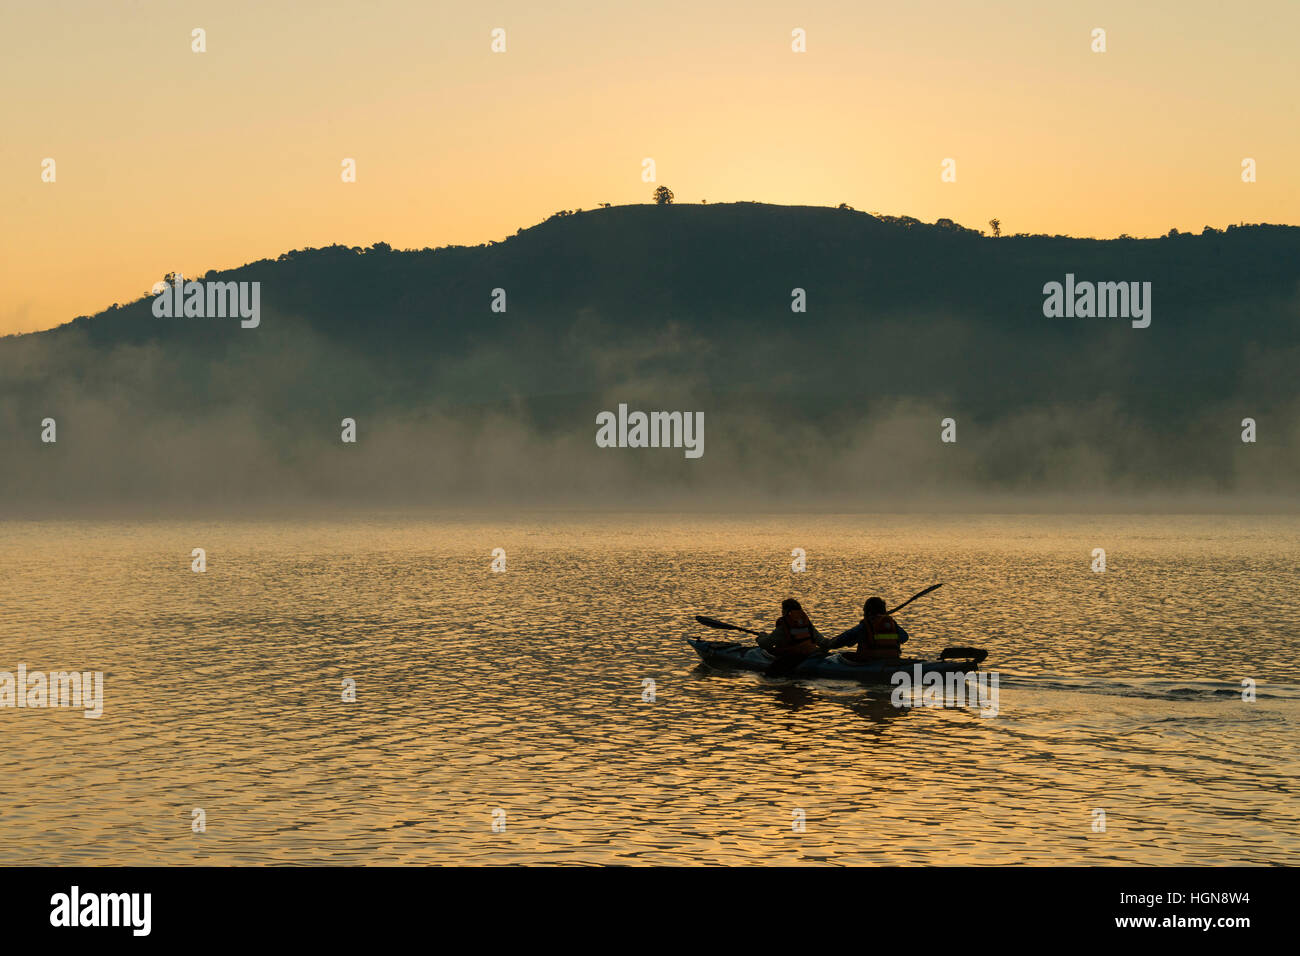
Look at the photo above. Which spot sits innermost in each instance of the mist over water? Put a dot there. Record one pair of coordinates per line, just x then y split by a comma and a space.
685, 309
523, 691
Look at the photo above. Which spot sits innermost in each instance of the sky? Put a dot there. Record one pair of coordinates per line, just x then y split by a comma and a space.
171, 160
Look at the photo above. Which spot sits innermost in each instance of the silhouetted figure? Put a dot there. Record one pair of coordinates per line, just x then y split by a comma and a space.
794, 634
877, 635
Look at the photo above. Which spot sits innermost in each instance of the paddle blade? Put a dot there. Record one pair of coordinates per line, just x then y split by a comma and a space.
974, 654
918, 594
714, 623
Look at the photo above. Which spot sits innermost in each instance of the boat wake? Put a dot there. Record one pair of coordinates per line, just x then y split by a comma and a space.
1151, 689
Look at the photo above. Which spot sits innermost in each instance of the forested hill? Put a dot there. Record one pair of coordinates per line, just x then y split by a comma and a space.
894, 324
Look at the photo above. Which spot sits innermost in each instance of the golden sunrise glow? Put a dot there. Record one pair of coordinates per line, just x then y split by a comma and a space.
173, 160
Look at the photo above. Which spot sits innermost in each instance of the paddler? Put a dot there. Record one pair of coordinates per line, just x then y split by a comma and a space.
877, 635
794, 634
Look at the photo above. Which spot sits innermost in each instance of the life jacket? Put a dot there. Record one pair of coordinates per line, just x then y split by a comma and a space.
881, 639
797, 634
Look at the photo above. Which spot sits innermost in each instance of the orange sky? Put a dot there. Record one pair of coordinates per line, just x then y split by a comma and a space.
174, 160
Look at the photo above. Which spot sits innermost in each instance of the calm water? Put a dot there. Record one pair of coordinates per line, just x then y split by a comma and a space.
522, 691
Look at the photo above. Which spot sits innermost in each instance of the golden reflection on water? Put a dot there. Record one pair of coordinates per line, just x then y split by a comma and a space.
522, 692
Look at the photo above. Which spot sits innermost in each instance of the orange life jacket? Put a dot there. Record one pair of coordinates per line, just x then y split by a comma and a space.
881, 639
797, 634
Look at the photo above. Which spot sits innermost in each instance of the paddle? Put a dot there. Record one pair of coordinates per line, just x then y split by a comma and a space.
778, 668
974, 654
724, 626
915, 596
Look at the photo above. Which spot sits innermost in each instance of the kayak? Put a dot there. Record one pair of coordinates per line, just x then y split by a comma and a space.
835, 666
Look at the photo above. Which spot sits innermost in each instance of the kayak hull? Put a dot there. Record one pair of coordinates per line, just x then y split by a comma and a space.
830, 666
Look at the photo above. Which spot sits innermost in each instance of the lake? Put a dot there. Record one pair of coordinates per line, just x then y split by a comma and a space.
508, 717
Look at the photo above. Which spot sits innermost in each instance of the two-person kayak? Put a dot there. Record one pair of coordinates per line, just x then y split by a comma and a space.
834, 666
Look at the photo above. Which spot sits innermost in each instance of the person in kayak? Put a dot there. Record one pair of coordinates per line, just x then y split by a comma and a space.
877, 635
794, 634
